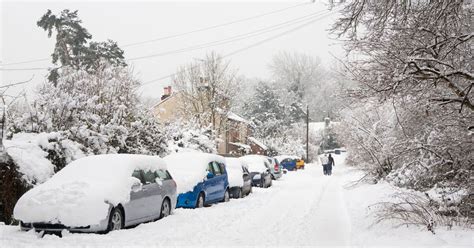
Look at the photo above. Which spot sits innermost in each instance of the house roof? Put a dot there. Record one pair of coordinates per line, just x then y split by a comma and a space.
258, 143
164, 100
238, 118
245, 146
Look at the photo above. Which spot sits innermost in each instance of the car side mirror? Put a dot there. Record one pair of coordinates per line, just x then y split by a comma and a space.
210, 175
137, 186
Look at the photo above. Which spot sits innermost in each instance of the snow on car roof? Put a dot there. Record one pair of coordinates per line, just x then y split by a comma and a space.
234, 172
255, 163
80, 193
189, 168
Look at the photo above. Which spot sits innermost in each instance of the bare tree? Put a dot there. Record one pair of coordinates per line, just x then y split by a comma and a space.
207, 88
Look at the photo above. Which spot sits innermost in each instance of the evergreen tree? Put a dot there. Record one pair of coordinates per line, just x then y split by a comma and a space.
266, 111
72, 48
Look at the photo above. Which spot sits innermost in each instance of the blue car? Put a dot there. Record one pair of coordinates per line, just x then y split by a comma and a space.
288, 163
201, 178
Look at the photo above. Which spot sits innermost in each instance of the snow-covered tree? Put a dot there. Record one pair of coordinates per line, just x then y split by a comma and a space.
411, 116
101, 111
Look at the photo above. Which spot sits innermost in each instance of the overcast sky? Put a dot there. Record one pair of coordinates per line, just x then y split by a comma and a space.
129, 22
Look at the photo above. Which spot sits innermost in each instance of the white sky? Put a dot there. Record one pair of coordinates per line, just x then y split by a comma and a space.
128, 22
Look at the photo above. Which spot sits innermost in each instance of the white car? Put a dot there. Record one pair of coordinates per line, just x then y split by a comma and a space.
99, 194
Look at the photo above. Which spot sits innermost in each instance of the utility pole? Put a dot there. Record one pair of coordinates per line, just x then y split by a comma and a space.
307, 133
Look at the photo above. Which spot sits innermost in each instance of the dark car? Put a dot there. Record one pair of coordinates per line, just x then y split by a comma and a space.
240, 182
259, 169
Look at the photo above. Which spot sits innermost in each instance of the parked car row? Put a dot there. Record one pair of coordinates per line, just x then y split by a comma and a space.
290, 162
109, 192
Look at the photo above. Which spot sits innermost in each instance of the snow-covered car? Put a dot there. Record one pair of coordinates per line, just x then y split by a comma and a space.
259, 169
201, 178
99, 194
275, 168
240, 183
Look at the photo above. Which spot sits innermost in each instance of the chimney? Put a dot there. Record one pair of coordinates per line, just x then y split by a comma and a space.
166, 93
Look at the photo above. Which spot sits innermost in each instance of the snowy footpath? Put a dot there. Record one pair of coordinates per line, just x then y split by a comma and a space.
304, 208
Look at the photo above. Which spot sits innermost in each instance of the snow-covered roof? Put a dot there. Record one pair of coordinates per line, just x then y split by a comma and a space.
258, 143
238, 118
244, 146
164, 100
80, 193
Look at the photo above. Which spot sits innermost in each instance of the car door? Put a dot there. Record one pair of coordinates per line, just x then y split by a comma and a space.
168, 186
246, 177
218, 184
135, 208
223, 180
153, 189
209, 184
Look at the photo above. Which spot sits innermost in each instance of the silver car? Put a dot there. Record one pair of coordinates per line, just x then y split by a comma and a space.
99, 194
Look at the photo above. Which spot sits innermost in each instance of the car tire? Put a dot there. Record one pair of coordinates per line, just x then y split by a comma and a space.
226, 196
165, 208
200, 201
239, 193
116, 220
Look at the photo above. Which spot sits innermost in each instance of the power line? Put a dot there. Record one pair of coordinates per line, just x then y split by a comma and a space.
179, 34
24, 69
215, 26
249, 46
236, 37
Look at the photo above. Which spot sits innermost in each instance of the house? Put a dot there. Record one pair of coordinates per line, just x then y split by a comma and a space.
234, 132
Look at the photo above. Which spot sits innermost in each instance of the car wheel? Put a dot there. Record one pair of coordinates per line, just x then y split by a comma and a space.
116, 220
239, 193
200, 201
165, 208
226, 196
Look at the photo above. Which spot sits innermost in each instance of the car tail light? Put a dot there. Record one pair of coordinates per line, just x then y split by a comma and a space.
277, 167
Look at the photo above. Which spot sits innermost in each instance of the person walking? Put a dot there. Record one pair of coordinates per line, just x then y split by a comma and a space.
324, 163
330, 164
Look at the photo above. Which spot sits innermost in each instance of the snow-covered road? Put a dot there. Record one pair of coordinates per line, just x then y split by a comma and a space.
304, 208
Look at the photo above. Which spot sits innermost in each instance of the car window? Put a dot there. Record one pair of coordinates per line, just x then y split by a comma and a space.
138, 174
163, 175
210, 168
217, 168
149, 177
222, 167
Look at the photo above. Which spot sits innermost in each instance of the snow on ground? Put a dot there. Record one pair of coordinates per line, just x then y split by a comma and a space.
304, 208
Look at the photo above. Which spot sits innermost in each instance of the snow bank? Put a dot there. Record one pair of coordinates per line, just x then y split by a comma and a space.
189, 168
255, 163
234, 172
79, 194
26, 151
